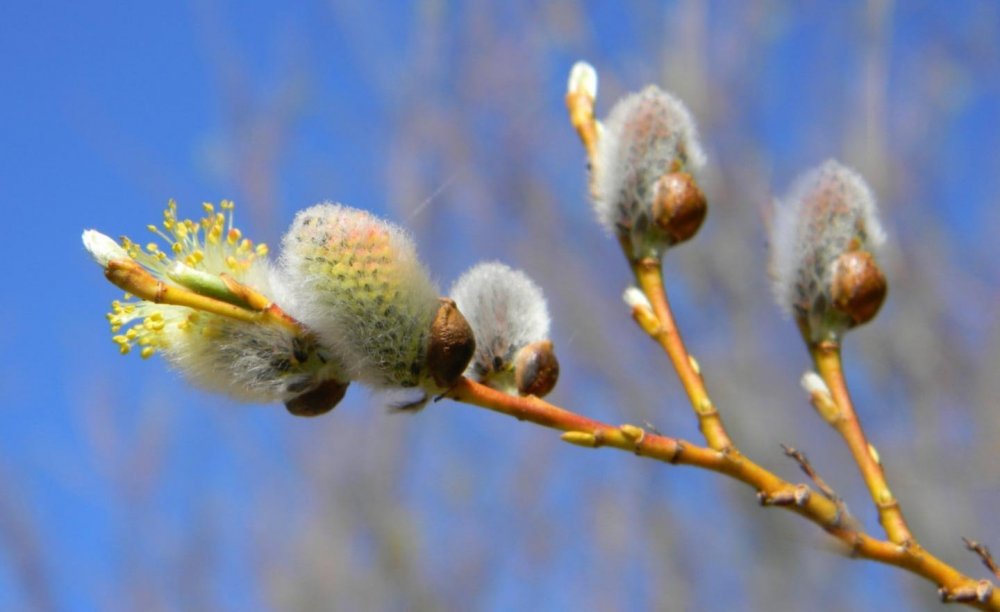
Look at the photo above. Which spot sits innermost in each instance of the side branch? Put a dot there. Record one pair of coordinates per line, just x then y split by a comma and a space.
828, 364
984, 555
648, 274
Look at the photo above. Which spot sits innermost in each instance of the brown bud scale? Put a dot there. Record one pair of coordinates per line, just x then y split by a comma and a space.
451, 345
679, 207
536, 369
319, 400
859, 286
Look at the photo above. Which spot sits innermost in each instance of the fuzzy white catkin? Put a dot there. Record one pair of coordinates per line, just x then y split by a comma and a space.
356, 281
646, 135
252, 362
506, 311
828, 211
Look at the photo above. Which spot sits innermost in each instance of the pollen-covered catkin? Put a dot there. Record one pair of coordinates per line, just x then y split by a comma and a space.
509, 317
250, 357
824, 241
356, 281
643, 184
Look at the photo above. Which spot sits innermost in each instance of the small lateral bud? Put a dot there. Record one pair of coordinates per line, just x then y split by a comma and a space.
319, 400
536, 369
814, 384
642, 310
822, 400
632, 432
635, 298
580, 438
695, 366
451, 345
679, 206
859, 286
873, 453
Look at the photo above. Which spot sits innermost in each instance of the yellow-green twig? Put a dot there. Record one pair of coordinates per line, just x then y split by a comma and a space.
649, 278
828, 365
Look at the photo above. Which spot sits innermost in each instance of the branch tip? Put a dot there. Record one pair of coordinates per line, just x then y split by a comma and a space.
102, 248
984, 555
582, 80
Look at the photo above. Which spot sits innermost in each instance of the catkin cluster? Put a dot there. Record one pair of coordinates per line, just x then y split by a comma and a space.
347, 301
825, 236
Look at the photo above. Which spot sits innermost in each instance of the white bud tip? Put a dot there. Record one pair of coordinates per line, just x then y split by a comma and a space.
636, 298
583, 79
814, 385
102, 248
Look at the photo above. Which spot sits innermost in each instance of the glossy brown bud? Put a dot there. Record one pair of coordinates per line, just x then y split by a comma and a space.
536, 369
451, 344
859, 286
679, 206
320, 400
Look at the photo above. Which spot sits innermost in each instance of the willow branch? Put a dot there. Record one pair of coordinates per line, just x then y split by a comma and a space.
772, 489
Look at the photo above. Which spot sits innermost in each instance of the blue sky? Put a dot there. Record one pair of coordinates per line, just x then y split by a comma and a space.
111, 109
